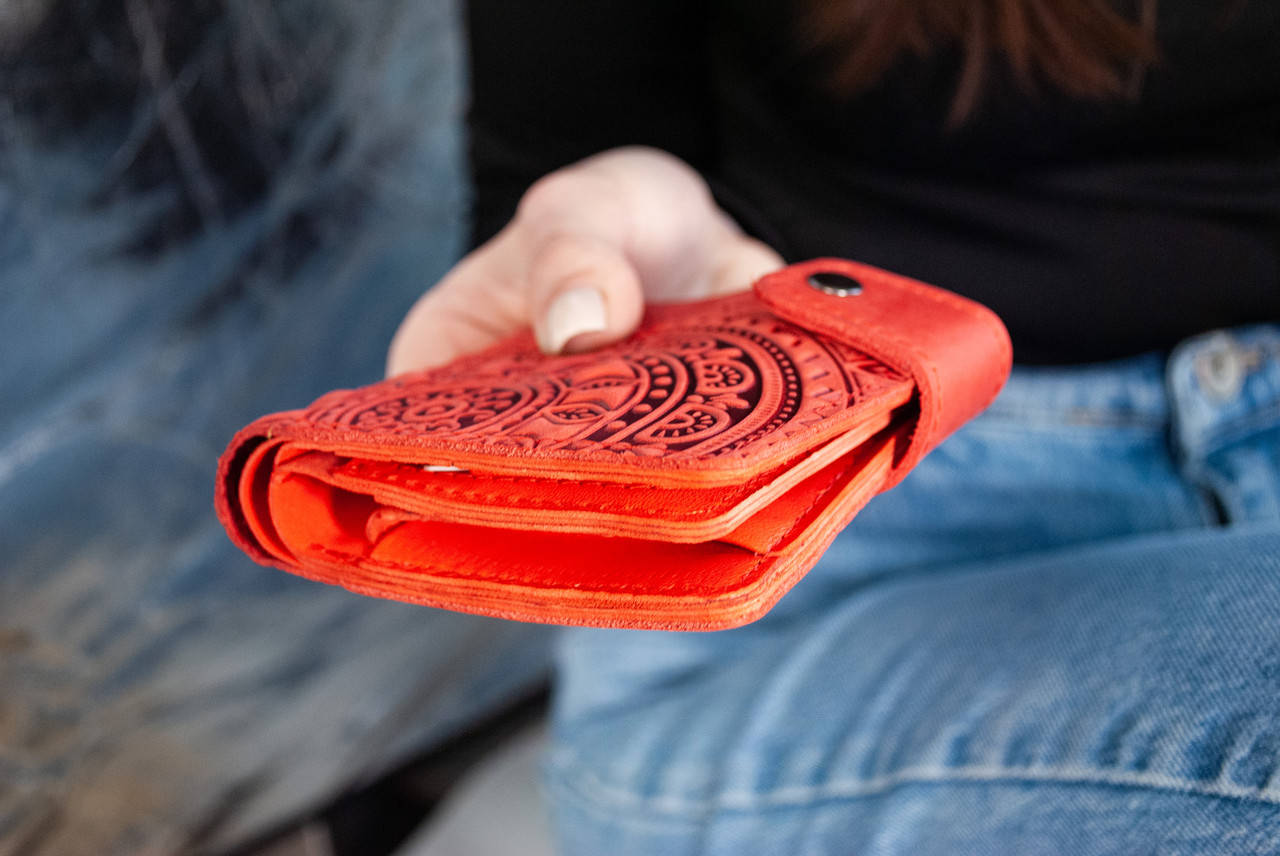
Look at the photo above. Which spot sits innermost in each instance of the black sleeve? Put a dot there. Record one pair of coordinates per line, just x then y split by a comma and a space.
553, 82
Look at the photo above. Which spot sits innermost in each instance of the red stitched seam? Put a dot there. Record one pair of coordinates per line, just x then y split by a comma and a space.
390, 565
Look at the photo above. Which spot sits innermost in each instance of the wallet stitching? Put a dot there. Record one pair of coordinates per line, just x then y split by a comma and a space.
532, 502
517, 502
414, 481
434, 570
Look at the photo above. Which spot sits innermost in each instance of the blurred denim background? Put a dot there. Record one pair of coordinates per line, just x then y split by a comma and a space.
158, 691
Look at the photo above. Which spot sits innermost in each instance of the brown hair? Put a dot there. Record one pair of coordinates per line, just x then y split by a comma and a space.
1085, 48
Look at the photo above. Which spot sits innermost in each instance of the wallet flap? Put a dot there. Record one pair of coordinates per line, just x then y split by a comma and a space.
956, 352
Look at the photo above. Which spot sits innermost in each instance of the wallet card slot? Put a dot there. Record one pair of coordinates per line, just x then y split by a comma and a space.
770, 529
254, 507
577, 579
682, 515
310, 511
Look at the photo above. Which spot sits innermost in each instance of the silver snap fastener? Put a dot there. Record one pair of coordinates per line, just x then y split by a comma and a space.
1223, 367
1220, 369
835, 284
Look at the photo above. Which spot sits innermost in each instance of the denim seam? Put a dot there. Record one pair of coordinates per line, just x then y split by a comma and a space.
591, 789
1081, 418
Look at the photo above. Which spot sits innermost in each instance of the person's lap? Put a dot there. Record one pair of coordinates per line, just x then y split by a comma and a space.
1043, 641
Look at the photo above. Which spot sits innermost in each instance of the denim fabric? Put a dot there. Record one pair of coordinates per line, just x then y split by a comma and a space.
158, 691
1060, 635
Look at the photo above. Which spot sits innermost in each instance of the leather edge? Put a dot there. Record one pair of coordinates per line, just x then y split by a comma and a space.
231, 463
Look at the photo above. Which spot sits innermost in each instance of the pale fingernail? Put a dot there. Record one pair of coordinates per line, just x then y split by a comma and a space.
573, 312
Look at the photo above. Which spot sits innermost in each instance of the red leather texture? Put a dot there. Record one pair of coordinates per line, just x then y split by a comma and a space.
683, 479
956, 351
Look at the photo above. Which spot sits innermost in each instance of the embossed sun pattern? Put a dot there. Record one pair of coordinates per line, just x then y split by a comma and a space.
679, 388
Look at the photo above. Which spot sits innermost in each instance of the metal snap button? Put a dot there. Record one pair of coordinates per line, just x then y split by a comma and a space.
1220, 370
1223, 367
835, 284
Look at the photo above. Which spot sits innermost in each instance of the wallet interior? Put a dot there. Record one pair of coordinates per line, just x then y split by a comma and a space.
395, 529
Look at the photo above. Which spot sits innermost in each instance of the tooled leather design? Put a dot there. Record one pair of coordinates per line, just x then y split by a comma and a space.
705, 383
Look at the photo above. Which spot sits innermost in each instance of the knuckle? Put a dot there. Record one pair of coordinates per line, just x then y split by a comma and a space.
578, 194
563, 255
553, 193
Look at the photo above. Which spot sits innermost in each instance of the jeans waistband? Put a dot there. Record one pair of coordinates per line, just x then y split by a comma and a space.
1225, 387
1210, 389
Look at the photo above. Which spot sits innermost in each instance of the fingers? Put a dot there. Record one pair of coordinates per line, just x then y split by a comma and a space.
736, 261
569, 281
588, 245
583, 286
584, 293
479, 303
561, 266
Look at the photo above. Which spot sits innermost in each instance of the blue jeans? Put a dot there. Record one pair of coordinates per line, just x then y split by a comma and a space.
159, 692
1060, 635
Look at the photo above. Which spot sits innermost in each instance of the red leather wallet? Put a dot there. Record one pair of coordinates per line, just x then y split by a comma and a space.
683, 479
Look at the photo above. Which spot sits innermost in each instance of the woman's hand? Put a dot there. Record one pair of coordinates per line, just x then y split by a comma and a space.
589, 245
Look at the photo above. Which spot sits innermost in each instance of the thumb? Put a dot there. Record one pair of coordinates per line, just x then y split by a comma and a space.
583, 293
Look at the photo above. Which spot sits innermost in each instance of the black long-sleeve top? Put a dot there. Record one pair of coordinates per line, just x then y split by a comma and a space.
1095, 229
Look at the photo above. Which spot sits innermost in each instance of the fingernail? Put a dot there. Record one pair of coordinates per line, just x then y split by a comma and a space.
573, 312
